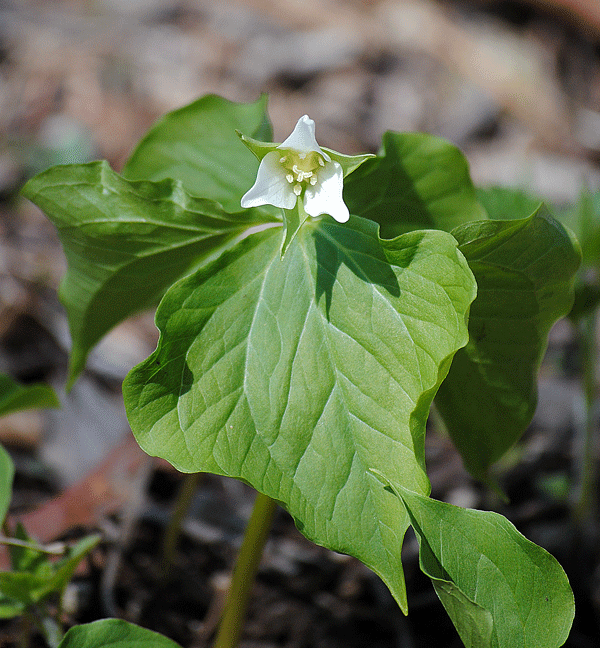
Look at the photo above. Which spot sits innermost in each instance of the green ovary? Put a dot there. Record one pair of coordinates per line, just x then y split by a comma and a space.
301, 168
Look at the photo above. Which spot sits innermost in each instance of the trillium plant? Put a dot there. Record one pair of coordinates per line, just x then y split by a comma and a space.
312, 308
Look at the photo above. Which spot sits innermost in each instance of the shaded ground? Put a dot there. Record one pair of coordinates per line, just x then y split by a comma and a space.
515, 84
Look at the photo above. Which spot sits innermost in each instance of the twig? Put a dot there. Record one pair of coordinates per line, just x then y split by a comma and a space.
56, 548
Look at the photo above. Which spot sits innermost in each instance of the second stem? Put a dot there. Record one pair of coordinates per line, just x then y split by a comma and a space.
246, 566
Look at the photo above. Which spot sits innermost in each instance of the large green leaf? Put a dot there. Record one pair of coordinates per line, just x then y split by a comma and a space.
584, 219
114, 633
15, 397
198, 145
524, 271
499, 589
126, 242
507, 203
473, 623
298, 374
7, 472
417, 181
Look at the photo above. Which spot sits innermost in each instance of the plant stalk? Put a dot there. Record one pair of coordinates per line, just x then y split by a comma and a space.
586, 504
185, 494
245, 569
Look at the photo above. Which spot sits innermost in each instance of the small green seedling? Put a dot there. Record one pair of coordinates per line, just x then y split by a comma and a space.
39, 573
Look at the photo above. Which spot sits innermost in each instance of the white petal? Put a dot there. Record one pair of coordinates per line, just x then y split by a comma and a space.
271, 186
302, 138
326, 196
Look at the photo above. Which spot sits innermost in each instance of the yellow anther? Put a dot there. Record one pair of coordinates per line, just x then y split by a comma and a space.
301, 169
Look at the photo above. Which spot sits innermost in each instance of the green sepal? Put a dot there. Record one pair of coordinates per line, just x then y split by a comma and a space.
260, 149
348, 163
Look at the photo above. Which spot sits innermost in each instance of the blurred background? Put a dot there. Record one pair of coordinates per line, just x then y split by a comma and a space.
514, 83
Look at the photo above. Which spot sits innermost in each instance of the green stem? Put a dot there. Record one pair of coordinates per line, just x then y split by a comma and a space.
46, 626
184, 499
293, 220
586, 505
244, 572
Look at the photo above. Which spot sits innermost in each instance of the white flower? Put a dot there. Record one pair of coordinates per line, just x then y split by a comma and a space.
299, 168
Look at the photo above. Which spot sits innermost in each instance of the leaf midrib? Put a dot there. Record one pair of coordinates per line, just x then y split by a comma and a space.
356, 446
